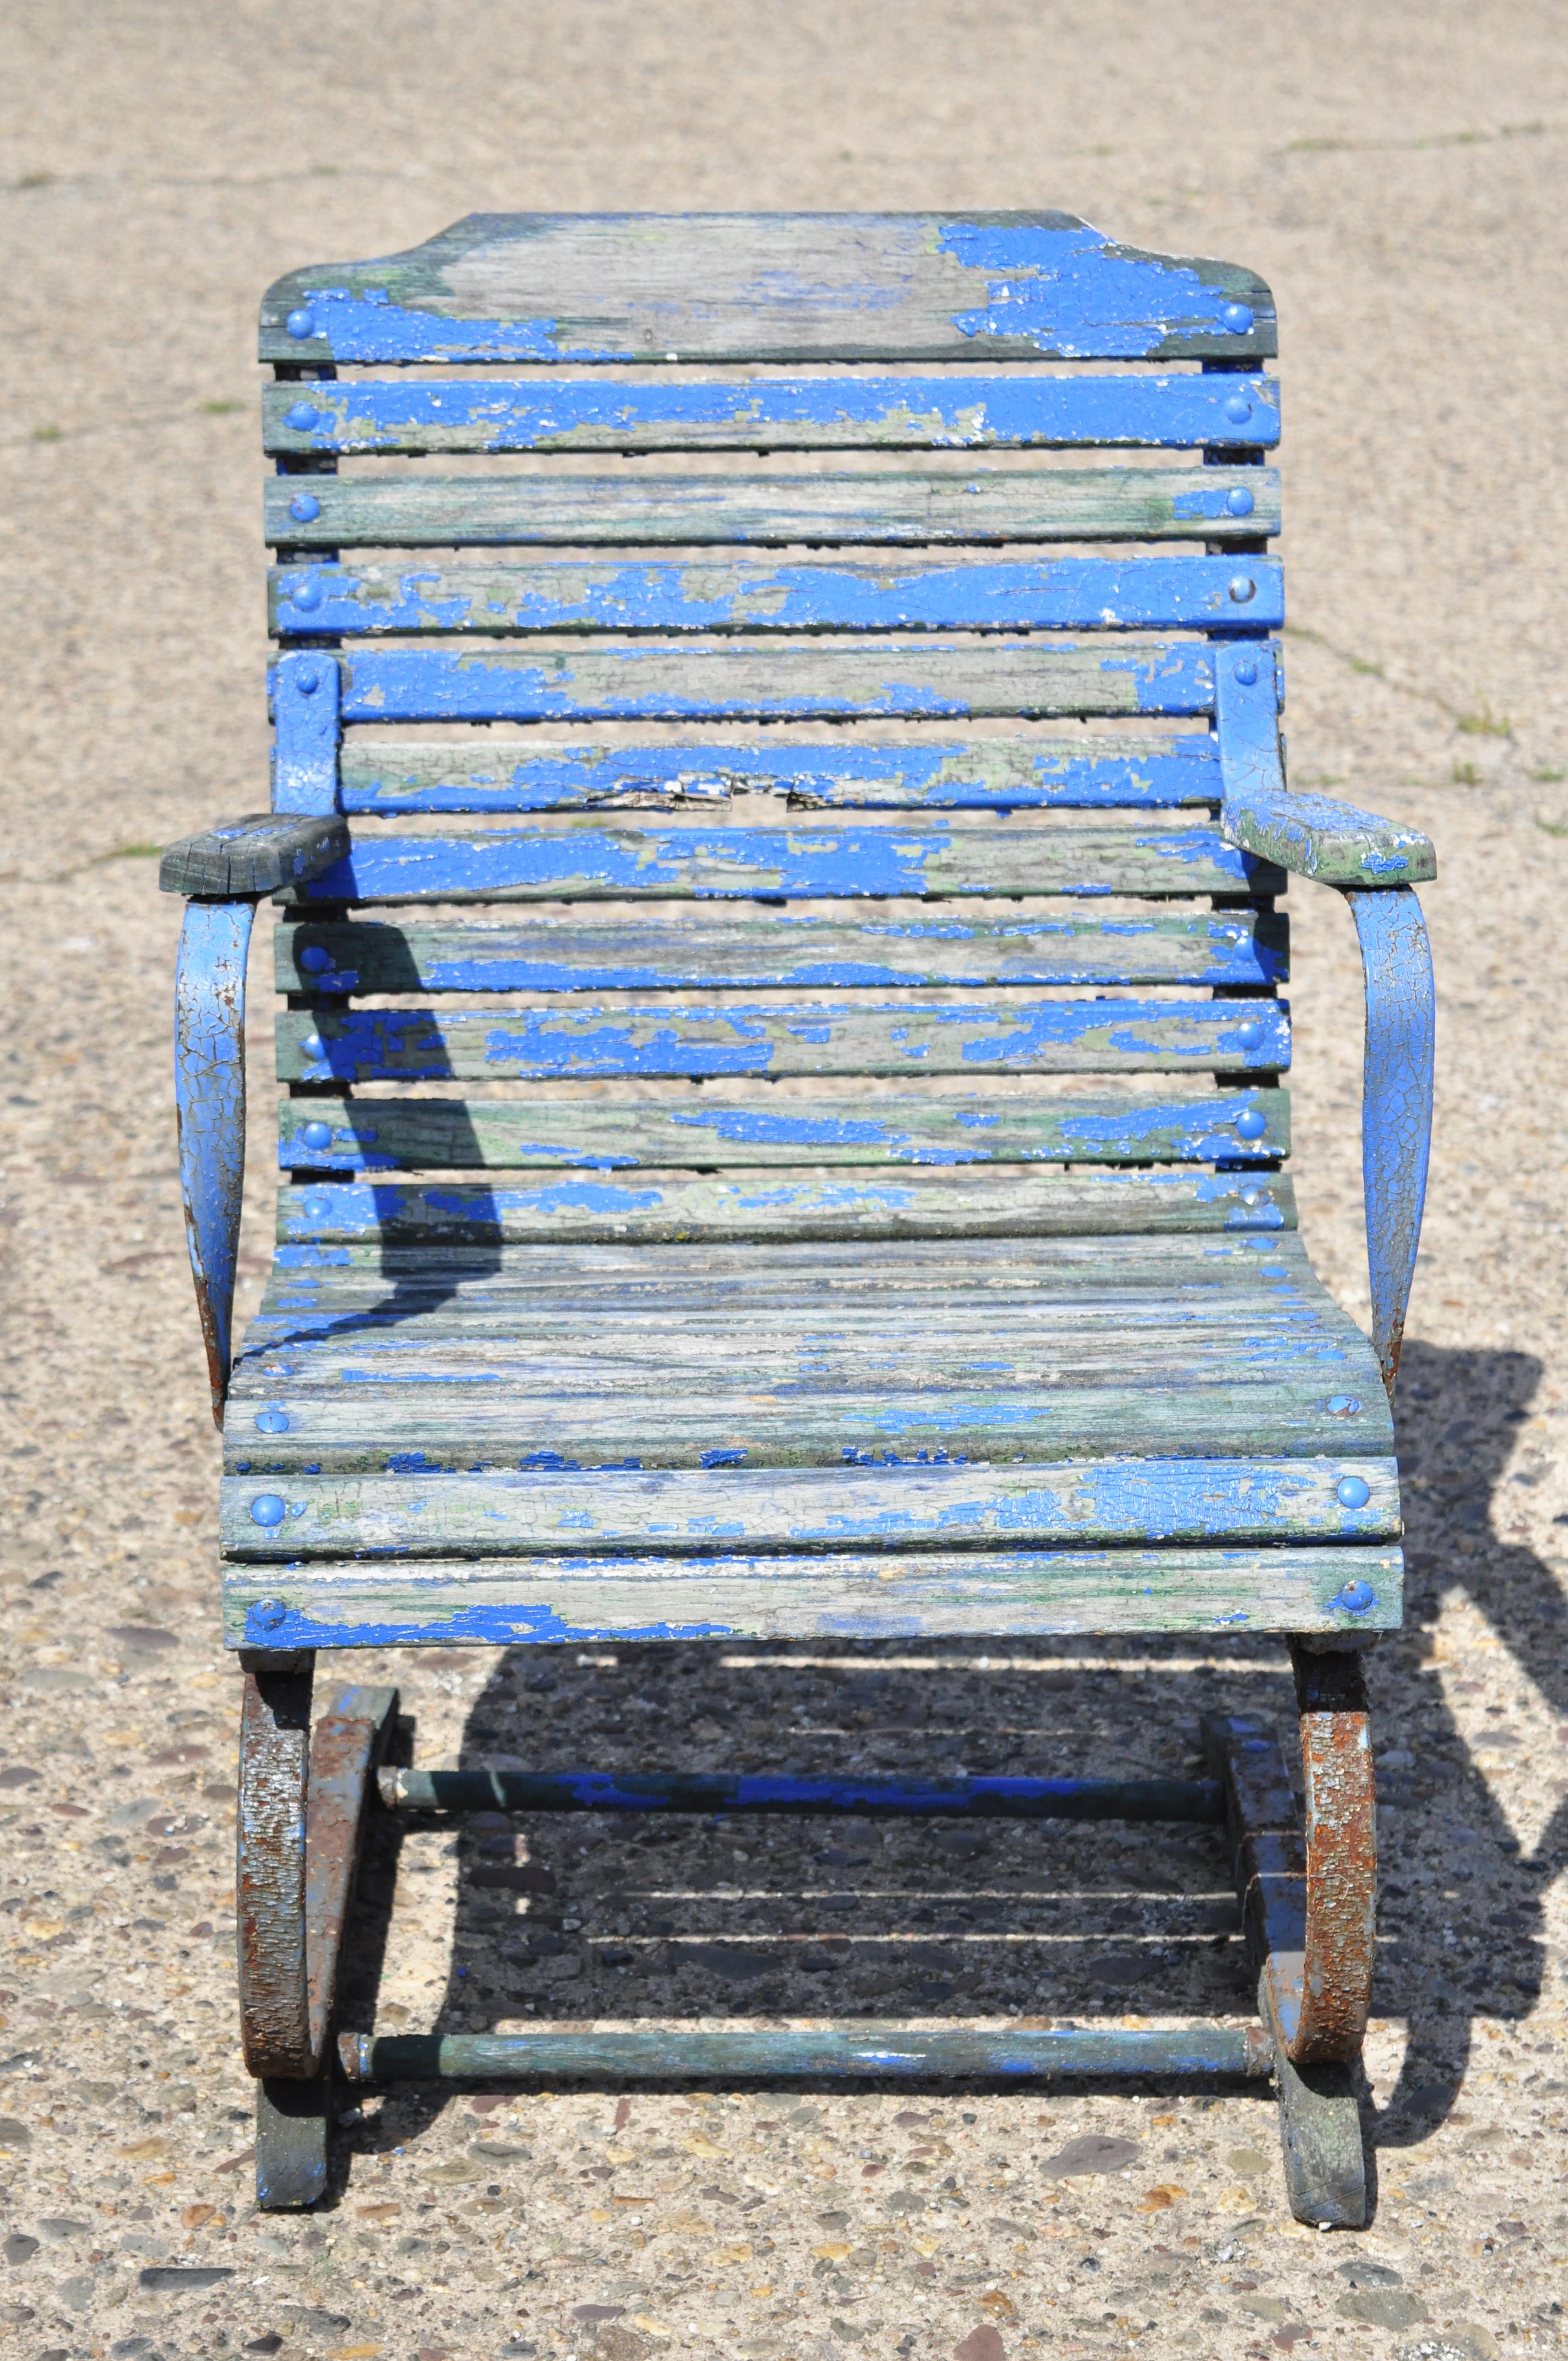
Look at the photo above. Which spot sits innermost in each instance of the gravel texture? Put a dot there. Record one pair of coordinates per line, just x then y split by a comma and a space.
1398, 174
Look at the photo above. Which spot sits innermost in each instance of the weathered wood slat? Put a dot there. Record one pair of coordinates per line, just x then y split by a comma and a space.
722, 1281
720, 1510
808, 595
913, 1593
768, 287
719, 1035
420, 1420
775, 950
815, 858
452, 1134
771, 681
470, 774
884, 508
949, 411
782, 1205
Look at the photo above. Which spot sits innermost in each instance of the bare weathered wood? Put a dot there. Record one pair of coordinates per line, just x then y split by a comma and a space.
768, 287
253, 856
885, 508
785, 1204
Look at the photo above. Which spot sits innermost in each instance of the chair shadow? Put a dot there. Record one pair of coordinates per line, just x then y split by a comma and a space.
606, 1919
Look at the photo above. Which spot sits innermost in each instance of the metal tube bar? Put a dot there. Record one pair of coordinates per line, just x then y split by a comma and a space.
606, 1791
869, 2051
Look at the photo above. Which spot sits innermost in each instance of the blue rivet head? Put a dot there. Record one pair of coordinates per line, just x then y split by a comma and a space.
1343, 1405
313, 1046
1242, 588
308, 681
267, 1510
302, 415
1356, 1598
306, 594
315, 959
1239, 502
1252, 1196
304, 508
317, 1135
272, 1421
268, 1613
1236, 317
1352, 1491
1250, 1034
303, 323
1251, 1124
1238, 410
1244, 669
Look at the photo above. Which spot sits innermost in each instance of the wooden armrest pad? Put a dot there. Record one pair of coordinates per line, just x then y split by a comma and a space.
254, 855
1333, 842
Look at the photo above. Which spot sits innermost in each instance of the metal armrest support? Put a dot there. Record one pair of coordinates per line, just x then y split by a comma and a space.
1374, 863
209, 1094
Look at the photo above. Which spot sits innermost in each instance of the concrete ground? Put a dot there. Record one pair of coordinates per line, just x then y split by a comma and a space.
1398, 174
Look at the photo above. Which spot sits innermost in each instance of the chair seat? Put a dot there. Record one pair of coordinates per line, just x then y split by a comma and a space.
999, 1419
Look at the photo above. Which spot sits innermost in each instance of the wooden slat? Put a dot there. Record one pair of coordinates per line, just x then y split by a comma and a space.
470, 775
884, 507
815, 858
810, 594
722, 1036
889, 413
768, 287
769, 681
471, 1426
915, 1594
454, 1134
719, 1509
779, 950
786, 1205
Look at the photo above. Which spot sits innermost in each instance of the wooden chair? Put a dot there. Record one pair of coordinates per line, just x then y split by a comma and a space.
738, 1346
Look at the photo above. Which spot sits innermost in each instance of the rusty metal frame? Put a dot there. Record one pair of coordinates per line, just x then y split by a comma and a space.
303, 1803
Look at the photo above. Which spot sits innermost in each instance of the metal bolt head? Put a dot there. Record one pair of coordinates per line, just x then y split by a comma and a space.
1236, 317
302, 415
1239, 500
1343, 1405
267, 1510
1238, 410
306, 594
1352, 1491
1251, 1124
1356, 1598
1241, 588
1250, 1033
308, 681
1244, 669
303, 323
304, 508
272, 1421
313, 1046
315, 959
317, 1135
268, 1613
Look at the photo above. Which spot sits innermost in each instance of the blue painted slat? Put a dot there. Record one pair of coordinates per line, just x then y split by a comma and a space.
768, 287
813, 595
946, 413
1002, 1798
822, 861
988, 774
746, 682
565, 1040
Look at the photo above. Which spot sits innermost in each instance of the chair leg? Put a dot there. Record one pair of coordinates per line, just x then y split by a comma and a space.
1308, 1899
302, 1806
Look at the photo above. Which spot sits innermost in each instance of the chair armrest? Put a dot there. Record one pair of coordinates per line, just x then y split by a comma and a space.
1313, 836
209, 1090
258, 856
